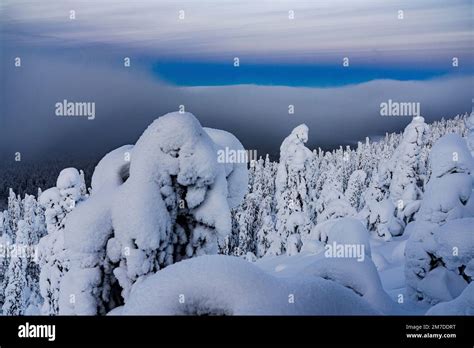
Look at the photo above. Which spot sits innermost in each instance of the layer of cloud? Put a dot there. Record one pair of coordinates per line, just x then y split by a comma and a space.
127, 101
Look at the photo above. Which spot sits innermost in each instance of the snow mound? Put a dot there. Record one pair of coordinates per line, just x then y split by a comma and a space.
113, 169
360, 277
455, 242
224, 285
68, 178
89, 225
450, 155
49, 197
446, 197
462, 305
346, 230
441, 284
439, 259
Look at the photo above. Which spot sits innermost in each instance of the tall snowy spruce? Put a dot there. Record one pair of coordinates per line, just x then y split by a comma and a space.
21, 227
332, 203
355, 189
33, 216
16, 277
470, 135
292, 201
409, 172
253, 222
266, 218
165, 199
57, 202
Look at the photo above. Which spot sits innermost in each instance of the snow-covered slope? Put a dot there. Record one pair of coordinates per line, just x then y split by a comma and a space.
225, 285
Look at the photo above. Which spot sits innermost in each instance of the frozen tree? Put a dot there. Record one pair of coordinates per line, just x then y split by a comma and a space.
3, 257
254, 218
291, 191
408, 172
57, 202
9, 225
246, 221
313, 174
470, 135
13, 215
332, 203
247, 217
264, 235
16, 277
166, 199
266, 209
293, 244
33, 215
355, 188
379, 210
439, 253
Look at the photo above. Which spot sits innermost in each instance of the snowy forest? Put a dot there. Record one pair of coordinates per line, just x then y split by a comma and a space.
166, 226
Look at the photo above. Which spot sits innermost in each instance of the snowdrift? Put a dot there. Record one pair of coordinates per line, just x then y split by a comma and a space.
224, 285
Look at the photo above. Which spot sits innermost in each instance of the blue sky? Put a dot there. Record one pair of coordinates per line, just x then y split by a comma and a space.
221, 74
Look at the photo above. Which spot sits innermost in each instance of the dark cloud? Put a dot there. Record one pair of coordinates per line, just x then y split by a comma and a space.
127, 100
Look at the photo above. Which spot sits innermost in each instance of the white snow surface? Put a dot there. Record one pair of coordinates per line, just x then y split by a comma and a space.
225, 285
451, 155
113, 168
461, 305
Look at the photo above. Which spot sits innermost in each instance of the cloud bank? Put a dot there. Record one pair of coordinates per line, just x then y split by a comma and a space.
126, 101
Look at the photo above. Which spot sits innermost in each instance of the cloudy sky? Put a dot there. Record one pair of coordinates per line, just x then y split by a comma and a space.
182, 52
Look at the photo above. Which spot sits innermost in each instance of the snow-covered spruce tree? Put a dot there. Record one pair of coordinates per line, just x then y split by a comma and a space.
322, 168
33, 215
259, 206
291, 191
470, 134
247, 216
16, 278
407, 168
58, 202
161, 201
355, 188
13, 215
440, 249
241, 214
246, 222
313, 174
10, 219
4, 260
332, 203
379, 210
266, 211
